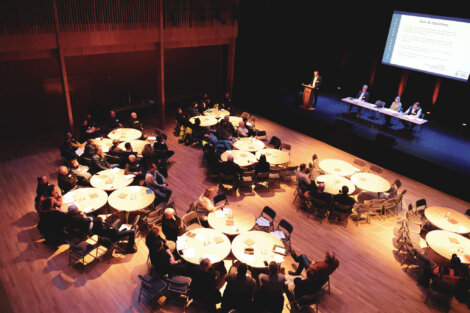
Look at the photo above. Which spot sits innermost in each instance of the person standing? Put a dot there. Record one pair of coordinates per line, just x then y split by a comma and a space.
316, 83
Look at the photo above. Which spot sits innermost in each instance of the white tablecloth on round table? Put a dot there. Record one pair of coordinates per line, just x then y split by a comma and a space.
131, 198
111, 179
370, 182
337, 167
88, 199
334, 183
202, 243
448, 219
206, 121
249, 144
262, 244
241, 157
446, 243
125, 134
274, 156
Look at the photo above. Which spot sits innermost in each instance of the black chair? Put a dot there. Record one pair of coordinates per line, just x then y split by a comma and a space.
267, 214
151, 287
220, 197
287, 229
341, 212
421, 205
320, 208
262, 178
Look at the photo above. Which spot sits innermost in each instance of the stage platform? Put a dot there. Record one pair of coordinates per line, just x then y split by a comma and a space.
435, 156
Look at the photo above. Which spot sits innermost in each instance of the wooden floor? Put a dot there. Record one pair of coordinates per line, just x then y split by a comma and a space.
35, 279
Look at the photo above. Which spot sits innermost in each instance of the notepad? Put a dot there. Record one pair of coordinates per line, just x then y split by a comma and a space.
249, 241
129, 176
122, 195
153, 138
218, 239
108, 181
93, 196
79, 151
148, 191
278, 258
229, 222
279, 234
124, 227
261, 221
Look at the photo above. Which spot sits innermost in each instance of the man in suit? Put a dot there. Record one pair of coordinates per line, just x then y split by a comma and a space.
229, 167
362, 95
415, 111
316, 83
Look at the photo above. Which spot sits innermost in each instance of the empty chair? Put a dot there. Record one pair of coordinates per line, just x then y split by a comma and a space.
286, 147
265, 221
421, 205
274, 176
246, 181
287, 229
151, 287
191, 221
320, 207
245, 114
376, 169
360, 164
134, 225
220, 197
361, 211
289, 172
340, 212
179, 285
252, 120
393, 191
260, 134
262, 178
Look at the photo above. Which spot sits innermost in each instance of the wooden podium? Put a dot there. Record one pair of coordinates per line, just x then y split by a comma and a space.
307, 98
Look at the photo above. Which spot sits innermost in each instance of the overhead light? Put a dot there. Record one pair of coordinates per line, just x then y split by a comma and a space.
464, 124
339, 87
428, 113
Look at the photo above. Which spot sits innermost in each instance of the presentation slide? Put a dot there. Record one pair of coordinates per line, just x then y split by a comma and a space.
431, 44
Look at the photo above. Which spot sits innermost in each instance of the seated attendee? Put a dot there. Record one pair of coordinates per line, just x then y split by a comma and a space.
212, 160
69, 137
92, 122
114, 121
43, 188
395, 106
102, 229
134, 167
197, 130
362, 95
67, 151
148, 155
229, 167
224, 131
239, 291
228, 125
115, 149
52, 224
49, 193
80, 224
155, 181
320, 193
90, 149
226, 102
203, 288
194, 109
81, 171
98, 162
262, 166
88, 131
303, 180
303, 286
161, 149
135, 123
344, 198
322, 269
415, 111
205, 204
269, 296
449, 276
66, 179
171, 224
251, 132
205, 98
155, 234
163, 261
203, 106
242, 131
179, 117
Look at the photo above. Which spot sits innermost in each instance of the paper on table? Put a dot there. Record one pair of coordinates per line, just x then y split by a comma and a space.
105, 149
279, 234
278, 258
247, 257
199, 237
227, 210
93, 196
212, 257
124, 227
153, 138
189, 252
219, 214
181, 243
115, 170
79, 151
261, 221
129, 176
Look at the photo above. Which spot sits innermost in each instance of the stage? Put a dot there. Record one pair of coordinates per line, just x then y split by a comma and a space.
434, 156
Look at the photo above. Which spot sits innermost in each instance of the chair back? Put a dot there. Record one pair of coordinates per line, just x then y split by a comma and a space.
226, 177
220, 197
136, 222
145, 284
343, 208
189, 218
286, 225
376, 169
245, 114
252, 120
261, 133
269, 212
421, 204
320, 203
360, 163
263, 176
285, 146
397, 184
192, 206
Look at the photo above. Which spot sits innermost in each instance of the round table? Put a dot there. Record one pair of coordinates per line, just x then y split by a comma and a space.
448, 219
216, 112
337, 167
206, 121
248, 144
137, 145
125, 134
235, 120
370, 182
203, 243
239, 221
88, 199
262, 244
241, 157
131, 198
274, 156
110, 179
104, 143
446, 243
334, 183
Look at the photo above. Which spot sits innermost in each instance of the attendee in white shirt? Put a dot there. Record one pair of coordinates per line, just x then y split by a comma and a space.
242, 131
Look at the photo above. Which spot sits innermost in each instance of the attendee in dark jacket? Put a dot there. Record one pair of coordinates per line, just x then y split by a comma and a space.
239, 291
66, 179
171, 224
203, 287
